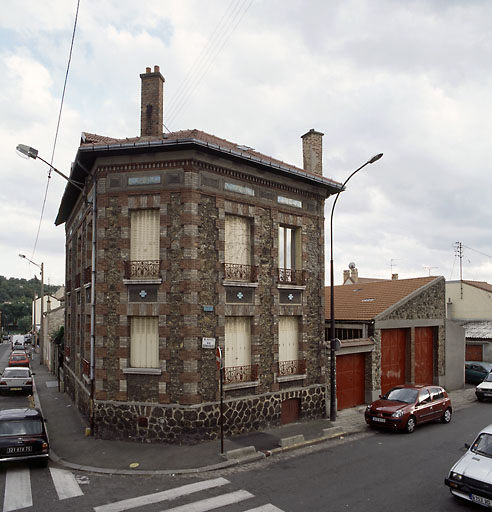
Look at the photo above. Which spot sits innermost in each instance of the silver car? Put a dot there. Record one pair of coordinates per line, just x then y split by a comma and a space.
471, 477
16, 379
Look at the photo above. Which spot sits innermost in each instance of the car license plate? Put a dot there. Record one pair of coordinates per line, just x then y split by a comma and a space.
380, 420
19, 449
482, 501
15, 389
487, 394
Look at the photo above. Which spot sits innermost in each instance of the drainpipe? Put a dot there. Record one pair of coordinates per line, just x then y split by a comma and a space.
93, 303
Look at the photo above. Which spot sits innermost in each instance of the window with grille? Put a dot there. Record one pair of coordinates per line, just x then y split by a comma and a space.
144, 342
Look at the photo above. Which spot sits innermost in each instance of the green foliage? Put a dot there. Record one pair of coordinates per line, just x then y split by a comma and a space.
16, 296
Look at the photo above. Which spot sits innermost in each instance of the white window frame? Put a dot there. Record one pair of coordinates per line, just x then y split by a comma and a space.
237, 341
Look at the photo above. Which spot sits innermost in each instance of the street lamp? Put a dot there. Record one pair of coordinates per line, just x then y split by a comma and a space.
28, 152
333, 341
41, 329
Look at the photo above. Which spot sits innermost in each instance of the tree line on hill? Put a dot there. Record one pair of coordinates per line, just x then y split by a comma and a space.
16, 296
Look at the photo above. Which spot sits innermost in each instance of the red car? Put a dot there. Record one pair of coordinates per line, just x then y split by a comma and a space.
405, 407
18, 358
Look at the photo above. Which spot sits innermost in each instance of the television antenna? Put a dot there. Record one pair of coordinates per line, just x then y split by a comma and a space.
428, 268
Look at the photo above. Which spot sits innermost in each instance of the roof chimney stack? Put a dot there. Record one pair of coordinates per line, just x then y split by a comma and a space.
312, 151
152, 103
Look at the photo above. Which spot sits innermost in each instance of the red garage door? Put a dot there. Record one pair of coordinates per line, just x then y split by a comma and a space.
424, 355
393, 349
474, 353
350, 380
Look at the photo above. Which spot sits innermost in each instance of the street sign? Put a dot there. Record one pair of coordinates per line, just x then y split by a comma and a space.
208, 342
218, 358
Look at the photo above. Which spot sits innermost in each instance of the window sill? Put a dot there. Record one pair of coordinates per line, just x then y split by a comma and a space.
240, 385
288, 378
245, 284
291, 286
143, 281
142, 371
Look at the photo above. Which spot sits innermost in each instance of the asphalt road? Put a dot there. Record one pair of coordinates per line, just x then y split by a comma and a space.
376, 471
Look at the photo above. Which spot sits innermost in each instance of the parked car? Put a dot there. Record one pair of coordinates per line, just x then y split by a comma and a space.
23, 435
484, 390
16, 379
18, 358
18, 342
476, 371
405, 407
471, 477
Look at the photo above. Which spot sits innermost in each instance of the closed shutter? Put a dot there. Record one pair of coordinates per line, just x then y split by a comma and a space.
288, 338
144, 235
237, 341
237, 240
144, 343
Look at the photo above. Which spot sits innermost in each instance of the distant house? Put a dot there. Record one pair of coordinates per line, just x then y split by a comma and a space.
184, 243
392, 332
469, 303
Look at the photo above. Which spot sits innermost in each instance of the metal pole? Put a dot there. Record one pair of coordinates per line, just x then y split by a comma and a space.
333, 390
221, 408
41, 325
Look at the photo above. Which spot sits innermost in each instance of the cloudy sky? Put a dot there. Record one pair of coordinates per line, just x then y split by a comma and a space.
409, 78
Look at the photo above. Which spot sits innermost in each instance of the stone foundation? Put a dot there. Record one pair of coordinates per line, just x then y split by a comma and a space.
148, 422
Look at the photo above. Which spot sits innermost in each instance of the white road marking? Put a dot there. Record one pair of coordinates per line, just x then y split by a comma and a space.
157, 497
265, 508
65, 484
213, 503
17, 489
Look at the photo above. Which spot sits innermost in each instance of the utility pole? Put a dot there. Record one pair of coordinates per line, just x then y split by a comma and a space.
459, 252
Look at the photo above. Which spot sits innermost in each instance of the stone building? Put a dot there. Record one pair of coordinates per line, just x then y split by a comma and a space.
181, 243
392, 332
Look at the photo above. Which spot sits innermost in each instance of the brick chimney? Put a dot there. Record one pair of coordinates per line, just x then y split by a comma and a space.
312, 151
394, 277
152, 103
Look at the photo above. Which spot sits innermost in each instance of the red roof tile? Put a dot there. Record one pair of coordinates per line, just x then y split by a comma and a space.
364, 301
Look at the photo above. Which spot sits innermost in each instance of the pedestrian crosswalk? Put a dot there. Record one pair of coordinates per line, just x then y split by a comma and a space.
200, 505
18, 491
200, 496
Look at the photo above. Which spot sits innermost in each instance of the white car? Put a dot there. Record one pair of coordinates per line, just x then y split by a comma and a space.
471, 477
16, 379
484, 389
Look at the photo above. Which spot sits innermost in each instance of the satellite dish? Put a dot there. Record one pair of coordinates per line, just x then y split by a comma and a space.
351, 265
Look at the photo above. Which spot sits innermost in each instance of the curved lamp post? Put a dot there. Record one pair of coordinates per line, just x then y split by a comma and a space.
333, 341
41, 329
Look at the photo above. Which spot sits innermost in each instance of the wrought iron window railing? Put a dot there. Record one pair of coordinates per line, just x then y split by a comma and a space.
144, 269
235, 374
292, 367
237, 272
291, 276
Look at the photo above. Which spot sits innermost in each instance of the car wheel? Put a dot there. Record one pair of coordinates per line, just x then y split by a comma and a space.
446, 417
410, 427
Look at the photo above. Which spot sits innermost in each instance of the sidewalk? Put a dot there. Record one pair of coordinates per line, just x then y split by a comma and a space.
73, 449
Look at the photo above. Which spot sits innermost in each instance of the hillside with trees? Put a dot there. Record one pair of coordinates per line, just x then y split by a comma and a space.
16, 296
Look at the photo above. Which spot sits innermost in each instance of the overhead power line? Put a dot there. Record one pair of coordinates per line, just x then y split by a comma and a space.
57, 129
221, 34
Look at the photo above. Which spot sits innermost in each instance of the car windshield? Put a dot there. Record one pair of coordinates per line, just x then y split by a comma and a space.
20, 427
483, 445
15, 373
488, 378
19, 357
406, 395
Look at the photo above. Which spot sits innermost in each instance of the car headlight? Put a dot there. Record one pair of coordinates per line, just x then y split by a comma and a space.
456, 476
397, 414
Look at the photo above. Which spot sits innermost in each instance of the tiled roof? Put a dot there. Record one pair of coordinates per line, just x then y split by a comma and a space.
93, 139
364, 301
478, 329
480, 284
